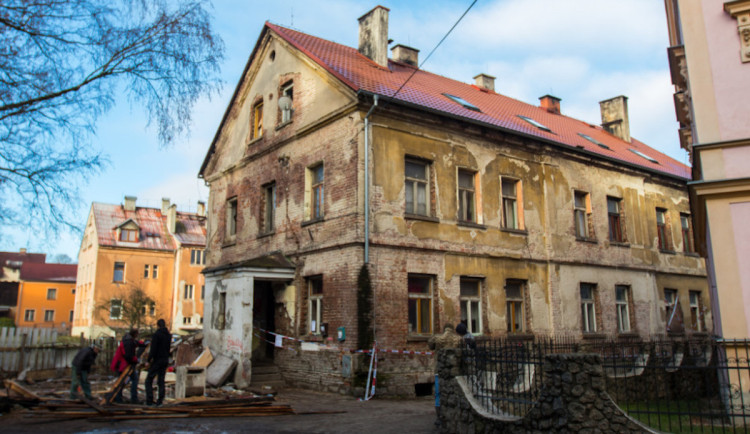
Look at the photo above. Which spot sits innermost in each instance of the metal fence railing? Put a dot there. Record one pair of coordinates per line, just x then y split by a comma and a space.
671, 384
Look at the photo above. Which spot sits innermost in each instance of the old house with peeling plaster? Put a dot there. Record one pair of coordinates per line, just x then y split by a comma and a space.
464, 204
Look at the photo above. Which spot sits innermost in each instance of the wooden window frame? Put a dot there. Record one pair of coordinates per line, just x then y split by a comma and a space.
418, 299
687, 233
588, 308
118, 266
622, 309
616, 232
315, 192
314, 304
269, 208
582, 215
231, 218
257, 125
514, 201
697, 323
515, 304
662, 229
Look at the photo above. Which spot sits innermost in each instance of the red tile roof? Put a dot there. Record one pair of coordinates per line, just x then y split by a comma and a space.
9, 259
190, 228
425, 90
33, 271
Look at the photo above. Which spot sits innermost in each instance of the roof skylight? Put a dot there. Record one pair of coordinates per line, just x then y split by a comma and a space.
463, 102
535, 123
641, 154
594, 141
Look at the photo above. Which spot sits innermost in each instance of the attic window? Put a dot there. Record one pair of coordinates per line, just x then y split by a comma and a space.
129, 235
594, 141
641, 154
535, 123
463, 102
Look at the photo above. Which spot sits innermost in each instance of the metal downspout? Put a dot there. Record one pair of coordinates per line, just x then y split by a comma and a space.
367, 179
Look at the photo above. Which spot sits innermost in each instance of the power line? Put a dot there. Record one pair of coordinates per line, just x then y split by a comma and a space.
434, 49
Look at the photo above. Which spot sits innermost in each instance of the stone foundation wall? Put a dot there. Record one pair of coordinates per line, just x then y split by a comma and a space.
573, 399
332, 369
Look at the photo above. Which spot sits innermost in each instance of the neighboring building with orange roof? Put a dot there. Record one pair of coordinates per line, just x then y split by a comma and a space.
10, 278
125, 247
46, 295
464, 205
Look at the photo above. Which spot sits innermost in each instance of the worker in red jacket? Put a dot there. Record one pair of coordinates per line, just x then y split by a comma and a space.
125, 356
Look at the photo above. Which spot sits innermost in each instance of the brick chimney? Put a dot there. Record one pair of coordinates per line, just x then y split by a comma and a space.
550, 103
201, 208
129, 204
615, 117
373, 35
172, 218
485, 81
404, 54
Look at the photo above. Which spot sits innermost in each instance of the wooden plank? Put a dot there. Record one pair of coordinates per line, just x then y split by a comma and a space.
204, 359
117, 387
15, 387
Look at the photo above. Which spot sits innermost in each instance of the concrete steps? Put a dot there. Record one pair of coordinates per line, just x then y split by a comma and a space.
266, 376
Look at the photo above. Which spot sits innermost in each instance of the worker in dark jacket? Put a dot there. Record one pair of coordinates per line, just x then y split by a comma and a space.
80, 368
158, 359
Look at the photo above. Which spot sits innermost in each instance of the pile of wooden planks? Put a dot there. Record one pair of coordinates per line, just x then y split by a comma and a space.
240, 407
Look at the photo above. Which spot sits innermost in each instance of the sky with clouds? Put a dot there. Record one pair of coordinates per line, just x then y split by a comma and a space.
582, 51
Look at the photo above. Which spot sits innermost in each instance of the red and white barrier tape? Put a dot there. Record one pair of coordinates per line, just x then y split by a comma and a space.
408, 352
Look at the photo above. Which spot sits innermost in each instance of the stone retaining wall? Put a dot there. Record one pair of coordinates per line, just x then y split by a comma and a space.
573, 399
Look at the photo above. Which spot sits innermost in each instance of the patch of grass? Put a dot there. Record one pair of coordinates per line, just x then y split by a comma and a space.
683, 416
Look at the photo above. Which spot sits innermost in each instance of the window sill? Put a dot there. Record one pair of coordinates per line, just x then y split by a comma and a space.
266, 234
628, 335
594, 335
314, 338
312, 221
417, 338
471, 225
668, 252
515, 231
409, 216
692, 254
229, 243
587, 240
524, 336
283, 124
618, 244
254, 140
118, 281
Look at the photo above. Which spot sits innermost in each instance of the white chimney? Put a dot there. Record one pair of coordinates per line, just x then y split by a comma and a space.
129, 204
485, 81
373, 35
201, 208
172, 218
164, 205
615, 117
404, 54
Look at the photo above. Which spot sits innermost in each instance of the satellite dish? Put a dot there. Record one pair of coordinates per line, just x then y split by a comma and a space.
285, 103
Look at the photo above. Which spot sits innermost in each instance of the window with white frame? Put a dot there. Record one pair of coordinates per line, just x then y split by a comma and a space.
696, 311
188, 292
119, 272
154, 271
28, 315
588, 307
417, 187
419, 290
671, 301
511, 192
471, 304
197, 257
514, 306
622, 306
115, 308
51, 293
287, 90
49, 315
146, 271
315, 304
467, 210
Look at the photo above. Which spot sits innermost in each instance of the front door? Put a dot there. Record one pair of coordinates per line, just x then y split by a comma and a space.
263, 321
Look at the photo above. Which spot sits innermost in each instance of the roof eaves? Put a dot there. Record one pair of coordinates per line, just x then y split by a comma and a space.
522, 134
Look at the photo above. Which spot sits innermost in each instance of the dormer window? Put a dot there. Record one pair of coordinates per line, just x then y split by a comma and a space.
129, 235
535, 123
463, 102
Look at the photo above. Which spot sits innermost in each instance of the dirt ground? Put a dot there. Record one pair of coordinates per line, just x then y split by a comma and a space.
374, 416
